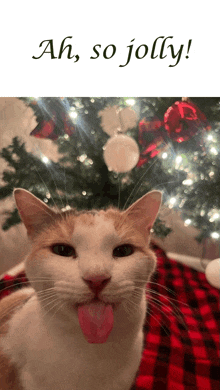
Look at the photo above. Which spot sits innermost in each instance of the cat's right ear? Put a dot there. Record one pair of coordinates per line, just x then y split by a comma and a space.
34, 213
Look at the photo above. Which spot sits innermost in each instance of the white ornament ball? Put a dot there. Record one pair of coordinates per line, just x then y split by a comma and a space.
114, 119
212, 273
121, 153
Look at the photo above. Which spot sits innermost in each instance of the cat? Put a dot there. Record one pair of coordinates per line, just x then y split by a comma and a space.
80, 324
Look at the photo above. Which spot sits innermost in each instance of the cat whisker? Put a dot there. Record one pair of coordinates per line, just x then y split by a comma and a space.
157, 284
130, 310
47, 298
7, 312
47, 187
43, 291
174, 308
139, 184
43, 294
119, 191
48, 304
59, 307
19, 285
165, 297
164, 328
158, 305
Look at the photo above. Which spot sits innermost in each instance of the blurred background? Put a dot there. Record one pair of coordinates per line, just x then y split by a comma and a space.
92, 152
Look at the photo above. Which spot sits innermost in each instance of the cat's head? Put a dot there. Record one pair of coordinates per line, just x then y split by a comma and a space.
89, 255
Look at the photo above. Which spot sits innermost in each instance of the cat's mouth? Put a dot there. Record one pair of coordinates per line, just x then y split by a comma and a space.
96, 320
96, 300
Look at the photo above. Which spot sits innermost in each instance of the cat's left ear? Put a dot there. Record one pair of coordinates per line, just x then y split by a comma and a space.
34, 213
144, 211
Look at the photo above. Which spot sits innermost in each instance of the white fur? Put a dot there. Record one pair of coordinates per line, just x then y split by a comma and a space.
47, 343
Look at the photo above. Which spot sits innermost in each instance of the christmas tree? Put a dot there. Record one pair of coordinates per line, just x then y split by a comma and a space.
177, 138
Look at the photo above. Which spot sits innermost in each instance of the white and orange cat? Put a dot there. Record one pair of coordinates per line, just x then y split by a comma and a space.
80, 324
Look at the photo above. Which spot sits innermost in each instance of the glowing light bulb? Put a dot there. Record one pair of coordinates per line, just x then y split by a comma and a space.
210, 137
214, 151
187, 182
187, 222
215, 235
214, 217
72, 113
178, 159
130, 102
172, 201
45, 160
164, 155
66, 208
82, 158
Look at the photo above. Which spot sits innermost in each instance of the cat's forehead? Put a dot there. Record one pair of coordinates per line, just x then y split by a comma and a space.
98, 223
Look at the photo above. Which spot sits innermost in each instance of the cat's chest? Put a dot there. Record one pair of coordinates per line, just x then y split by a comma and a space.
53, 358
66, 367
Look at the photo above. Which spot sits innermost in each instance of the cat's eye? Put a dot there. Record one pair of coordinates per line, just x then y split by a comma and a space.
123, 250
63, 250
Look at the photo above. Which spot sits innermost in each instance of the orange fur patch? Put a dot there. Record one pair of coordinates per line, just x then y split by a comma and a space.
9, 379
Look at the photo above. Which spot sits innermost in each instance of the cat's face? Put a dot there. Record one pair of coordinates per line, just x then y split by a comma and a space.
82, 257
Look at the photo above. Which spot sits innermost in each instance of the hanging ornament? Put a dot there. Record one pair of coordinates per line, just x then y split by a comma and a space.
183, 120
147, 127
121, 153
52, 116
150, 137
114, 119
53, 128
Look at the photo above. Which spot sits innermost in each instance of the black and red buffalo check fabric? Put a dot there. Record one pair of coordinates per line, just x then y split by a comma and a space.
181, 348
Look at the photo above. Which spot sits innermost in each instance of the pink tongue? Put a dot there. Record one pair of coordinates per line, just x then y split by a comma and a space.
96, 321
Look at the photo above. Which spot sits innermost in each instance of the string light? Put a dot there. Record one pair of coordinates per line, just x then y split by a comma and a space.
187, 182
215, 235
164, 155
214, 151
210, 137
35, 98
82, 158
130, 102
214, 216
187, 222
66, 208
172, 201
45, 160
179, 159
73, 113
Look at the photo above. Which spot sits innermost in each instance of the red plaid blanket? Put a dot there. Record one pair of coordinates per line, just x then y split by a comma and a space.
181, 331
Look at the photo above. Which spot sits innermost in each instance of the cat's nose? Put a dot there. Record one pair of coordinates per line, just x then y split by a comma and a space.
97, 283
